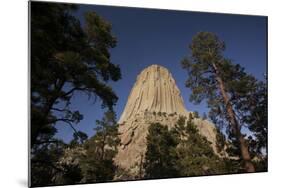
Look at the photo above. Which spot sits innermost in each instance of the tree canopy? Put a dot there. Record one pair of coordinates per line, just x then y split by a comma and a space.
226, 87
182, 151
160, 158
67, 59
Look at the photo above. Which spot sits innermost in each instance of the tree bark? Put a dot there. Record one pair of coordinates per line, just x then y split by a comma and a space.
244, 150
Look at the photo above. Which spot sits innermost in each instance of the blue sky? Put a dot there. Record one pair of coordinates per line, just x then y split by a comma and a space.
150, 36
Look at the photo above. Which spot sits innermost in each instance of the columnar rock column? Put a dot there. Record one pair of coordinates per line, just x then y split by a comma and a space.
154, 91
154, 97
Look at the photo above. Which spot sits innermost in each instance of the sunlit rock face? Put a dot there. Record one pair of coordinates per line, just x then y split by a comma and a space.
154, 97
154, 91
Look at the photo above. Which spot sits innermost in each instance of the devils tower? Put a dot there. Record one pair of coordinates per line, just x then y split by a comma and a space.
154, 98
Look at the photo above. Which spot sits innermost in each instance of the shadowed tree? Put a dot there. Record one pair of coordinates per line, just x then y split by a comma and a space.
160, 157
43, 168
78, 138
196, 114
98, 165
222, 83
204, 116
67, 58
257, 119
181, 151
195, 155
257, 124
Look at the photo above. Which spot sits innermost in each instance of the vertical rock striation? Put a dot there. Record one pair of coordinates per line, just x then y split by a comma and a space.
154, 97
154, 91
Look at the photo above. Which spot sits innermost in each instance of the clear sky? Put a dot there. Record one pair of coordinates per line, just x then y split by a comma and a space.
150, 36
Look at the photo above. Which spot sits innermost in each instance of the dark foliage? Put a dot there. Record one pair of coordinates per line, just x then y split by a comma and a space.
160, 158
98, 165
227, 89
181, 152
66, 58
46, 170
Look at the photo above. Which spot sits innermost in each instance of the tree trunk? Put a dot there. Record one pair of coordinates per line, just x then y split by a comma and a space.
249, 167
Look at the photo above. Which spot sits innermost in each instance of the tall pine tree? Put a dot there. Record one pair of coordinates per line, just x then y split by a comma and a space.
98, 165
66, 59
214, 78
160, 157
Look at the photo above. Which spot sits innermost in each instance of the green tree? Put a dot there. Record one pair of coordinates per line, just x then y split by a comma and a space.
222, 83
220, 141
204, 116
66, 59
160, 157
46, 170
196, 114
79, 138
98, 165
256, 119
182, 151
194, 152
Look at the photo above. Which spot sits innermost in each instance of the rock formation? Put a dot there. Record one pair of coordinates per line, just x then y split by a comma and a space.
154, 97
154, 91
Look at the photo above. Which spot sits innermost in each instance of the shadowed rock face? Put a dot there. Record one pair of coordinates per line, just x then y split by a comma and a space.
154, 98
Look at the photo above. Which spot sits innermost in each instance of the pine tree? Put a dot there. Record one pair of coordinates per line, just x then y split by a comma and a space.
79, 138
204, 116
66, 59
182, 152
222, 83
46, 169
98, 165
160, 157
256, 119
194, 152
196, 114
